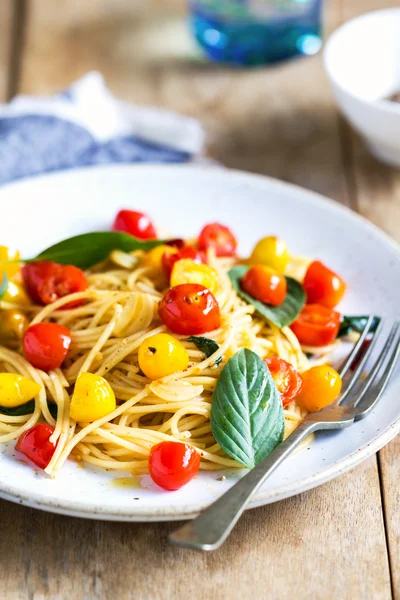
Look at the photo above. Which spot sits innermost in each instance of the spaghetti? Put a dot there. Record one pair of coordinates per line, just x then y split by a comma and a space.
108, 322
120, 311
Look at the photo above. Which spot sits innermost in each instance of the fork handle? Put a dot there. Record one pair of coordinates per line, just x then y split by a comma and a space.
211, 528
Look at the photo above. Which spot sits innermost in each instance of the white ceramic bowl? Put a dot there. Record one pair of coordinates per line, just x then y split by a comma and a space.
362, 60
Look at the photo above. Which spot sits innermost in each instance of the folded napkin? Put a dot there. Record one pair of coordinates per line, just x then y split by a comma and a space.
86, 125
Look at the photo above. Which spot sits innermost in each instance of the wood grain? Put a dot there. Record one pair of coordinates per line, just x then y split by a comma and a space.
327, 543
5, 38
123, 41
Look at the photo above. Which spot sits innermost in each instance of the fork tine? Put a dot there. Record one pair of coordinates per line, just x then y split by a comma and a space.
353, 354
350, 380
390, 351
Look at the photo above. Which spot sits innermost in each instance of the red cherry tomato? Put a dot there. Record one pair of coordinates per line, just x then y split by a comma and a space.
219, 237
135, 223
264, 284
287, 379
36, 446
45, 345
170, 258
316, 325
177, 243
189, 309
323, 286
46, 282
173, 464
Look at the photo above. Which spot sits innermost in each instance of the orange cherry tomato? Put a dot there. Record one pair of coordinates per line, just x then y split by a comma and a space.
189, 309
170, 258
35, 445
45, 345
219, 237
173, 464
316, 325
321, 386
323, 286
264, 284
135, 223
287, 379
46, 282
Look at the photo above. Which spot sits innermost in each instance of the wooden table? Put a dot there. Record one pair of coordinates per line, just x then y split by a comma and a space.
341, 540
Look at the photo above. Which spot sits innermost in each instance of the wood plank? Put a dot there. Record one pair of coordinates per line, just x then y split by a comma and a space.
327, 543
389, 462
376, 193
5, 37
293, 130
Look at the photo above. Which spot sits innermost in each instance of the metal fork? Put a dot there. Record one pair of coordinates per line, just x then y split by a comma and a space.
211, 528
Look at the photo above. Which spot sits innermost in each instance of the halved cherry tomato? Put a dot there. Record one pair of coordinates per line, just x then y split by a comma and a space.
321, 386
189, 309
287, 379
170, 258
219, 237
323, 286
135, 223
36, 446
46, 282
45, 345
173, 464
316, 325
264, 284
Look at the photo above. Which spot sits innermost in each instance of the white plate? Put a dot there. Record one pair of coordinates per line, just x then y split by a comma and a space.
47, 209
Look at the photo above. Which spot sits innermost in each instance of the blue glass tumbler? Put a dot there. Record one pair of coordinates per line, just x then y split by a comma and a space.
256, 32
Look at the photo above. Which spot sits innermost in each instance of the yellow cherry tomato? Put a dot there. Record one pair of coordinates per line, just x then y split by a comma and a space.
92, 399
321, 386
15, 294
187, 271
16, 389
272, 252
161, 355
7, 254
153, 258
13, 324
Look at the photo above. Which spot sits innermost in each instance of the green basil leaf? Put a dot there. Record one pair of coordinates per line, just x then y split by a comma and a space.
53, 409
281, 315
17, 411
4, 284
246, 413
356, 323
205, 345
26, 409
88, 249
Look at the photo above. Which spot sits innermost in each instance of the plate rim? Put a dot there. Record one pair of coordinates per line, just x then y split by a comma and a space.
79, 509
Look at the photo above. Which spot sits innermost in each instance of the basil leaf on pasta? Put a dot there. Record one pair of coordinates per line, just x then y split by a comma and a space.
88, 249
18, 411
4, 284
205, 345
281, 315
355, 323
26, 409
246, 413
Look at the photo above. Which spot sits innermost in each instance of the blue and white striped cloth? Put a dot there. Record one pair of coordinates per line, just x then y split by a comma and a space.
86, 125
